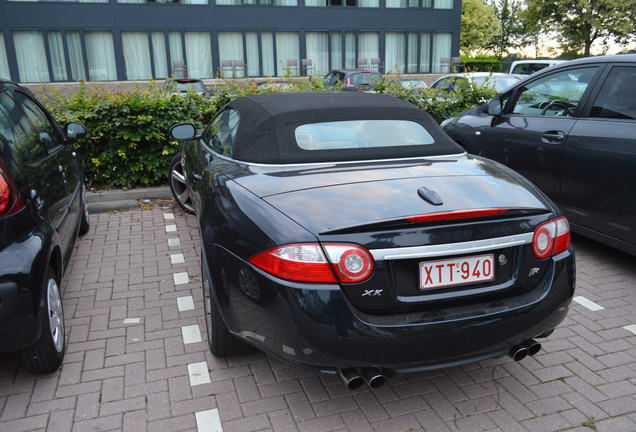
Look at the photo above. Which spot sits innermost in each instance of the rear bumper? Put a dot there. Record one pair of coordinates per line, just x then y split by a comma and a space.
316, 327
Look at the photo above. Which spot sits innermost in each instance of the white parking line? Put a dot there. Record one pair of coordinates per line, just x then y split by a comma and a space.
191, 334
185, 303
588, 303
171, 228
181, 278
174, 242
198, 373
168, 216
177, 259
631, 328
132, 320
209, 421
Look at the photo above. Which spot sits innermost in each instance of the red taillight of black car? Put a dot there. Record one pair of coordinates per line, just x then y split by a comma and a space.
551, 237
306, 262
10, 202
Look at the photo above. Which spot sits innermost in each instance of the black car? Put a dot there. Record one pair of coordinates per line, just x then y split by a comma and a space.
344, 232
571, 130
352, 79
42, 209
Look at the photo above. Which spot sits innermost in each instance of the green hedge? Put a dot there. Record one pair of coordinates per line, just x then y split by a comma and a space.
127, 144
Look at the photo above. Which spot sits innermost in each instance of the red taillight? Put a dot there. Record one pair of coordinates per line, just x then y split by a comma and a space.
10, 201
457, 214
307, 263
348, 82
551, 237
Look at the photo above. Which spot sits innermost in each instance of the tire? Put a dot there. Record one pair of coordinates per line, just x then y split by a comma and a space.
84, 223
178, 185
48, 352
222, 342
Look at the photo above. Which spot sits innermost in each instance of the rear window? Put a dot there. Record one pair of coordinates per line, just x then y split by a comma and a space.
365, 79
528, 68
196, 86
361, 134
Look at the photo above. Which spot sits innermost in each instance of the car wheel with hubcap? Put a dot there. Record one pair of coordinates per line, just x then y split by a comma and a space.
178, 185
48, 352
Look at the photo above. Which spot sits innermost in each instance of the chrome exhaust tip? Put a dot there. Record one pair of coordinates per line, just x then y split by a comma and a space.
518, 352
374, 377
351, 378
532, 346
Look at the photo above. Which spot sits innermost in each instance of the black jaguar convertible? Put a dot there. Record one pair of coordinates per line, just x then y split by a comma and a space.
346, 233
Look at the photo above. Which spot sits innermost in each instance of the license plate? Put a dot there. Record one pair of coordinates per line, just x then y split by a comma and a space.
457, 271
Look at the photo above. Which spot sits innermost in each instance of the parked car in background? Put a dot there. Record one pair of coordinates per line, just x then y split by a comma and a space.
571, 130
183, 86
42, 209
528, 67
413, 83
352, 79
498, 81
345, 233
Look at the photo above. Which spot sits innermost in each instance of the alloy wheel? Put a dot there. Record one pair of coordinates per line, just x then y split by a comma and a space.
179, 186
56, 314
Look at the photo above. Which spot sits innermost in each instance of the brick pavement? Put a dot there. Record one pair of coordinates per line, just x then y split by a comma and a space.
128, 367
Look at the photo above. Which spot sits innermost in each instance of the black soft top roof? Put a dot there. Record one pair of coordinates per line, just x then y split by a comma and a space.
267, 122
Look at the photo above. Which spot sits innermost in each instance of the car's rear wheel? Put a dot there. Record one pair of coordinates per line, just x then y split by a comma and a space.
178, 185
84, 224
222, 342
48, 352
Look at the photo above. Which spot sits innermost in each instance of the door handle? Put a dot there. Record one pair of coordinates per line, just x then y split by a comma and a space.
553, 137
197, 176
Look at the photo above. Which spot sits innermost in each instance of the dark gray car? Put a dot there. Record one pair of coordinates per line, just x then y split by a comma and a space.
570, 129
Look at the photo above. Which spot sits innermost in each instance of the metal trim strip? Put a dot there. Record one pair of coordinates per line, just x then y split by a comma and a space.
451, 248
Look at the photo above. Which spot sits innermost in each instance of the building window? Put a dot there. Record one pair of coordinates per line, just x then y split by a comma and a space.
177, 59
257, 2
336, 50
56, 52
136, 55
368, 51
443, 4
425, 52
100, 55
441, 52
317, 49
188, 2
31, 56
198, 54
253, 62
267, 53
66, 1
394, 53
348, 3
287, 54
350, 50
4, 64
411, 54
231, 55
159, 54
437, 4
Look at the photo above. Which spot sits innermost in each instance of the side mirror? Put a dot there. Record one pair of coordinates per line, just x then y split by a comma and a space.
494, 107
183, 131
74, 131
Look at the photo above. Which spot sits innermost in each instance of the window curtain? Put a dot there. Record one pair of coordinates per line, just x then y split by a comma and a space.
285, 3
267, 44
56, 48
159, 54
394, 52
441, 52
100, 55
253, 63
368, 48
177, 61
4, 63
350, 50
396, 3
231, 54
136, 55
76, 56
443, 4
198, 54
316, 3
317, 52
228, 2
411, 55
195, 2
369, 3
336, 50
287, 53
425, 53
31, 56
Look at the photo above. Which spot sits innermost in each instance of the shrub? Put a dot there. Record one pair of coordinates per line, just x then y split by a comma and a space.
128, 144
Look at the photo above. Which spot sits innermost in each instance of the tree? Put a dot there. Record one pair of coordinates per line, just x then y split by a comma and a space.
578, 23
512, 31
479, 26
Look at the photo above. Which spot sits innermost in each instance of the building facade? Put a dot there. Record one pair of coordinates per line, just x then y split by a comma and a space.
108, 40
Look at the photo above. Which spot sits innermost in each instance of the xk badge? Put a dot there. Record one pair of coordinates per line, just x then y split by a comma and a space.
372, 293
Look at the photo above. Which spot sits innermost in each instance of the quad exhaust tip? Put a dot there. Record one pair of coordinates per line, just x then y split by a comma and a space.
374, 377
532, 346
351, 378
354, 378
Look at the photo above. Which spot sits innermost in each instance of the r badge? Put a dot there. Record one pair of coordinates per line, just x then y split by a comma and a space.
533, 271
